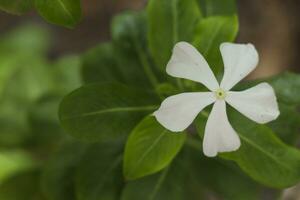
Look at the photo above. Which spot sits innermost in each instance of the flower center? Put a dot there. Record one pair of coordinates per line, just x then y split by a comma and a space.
220, 94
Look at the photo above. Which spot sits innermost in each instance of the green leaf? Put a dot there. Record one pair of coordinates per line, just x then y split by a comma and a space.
13, 162
156, 187
125, 60
23, 80
16, 6
57, 177
23, 186
171, 183
99, 65
287, 87
129, 34
150, 148
62, 12
218, 177
66, 74
287, 125
99, 175
210, 33
27, 39
104, 111
44, 124
170, 21
262, 155
217, 7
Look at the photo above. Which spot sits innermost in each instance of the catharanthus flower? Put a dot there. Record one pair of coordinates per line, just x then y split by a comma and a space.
258, 103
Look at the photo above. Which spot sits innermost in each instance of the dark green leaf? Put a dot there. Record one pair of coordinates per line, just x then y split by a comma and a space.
150, 148
58, 175
62, 12
129, 32
99, 175
210, 33
104, 111
262, 155
287, 87
16, 6
170, 21
219, 177
171, 183
99, 65
287, 125
24, 186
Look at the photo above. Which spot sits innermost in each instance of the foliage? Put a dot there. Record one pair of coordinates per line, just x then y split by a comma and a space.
104, 143
62, 12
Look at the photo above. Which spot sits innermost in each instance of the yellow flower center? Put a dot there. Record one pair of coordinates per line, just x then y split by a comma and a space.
220, 94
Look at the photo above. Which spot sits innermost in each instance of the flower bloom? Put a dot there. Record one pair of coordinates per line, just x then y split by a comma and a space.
258, 103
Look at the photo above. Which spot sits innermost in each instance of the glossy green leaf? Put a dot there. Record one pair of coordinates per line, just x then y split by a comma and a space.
99, 175
104, 111
62, 12
170, 21
58, 176
150, 148
16, 6
262, 155
217, 7
210, 33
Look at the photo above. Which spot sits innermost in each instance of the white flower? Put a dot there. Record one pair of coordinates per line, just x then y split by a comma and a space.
258, 103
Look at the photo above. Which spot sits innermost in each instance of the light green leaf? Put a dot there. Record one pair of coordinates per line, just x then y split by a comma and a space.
150, 148
27, 39
58, 176
104, 111
16, 6
210, 33
99, 175
217, 7
66, 74
62, 12
262, 155
13, 162
170, 21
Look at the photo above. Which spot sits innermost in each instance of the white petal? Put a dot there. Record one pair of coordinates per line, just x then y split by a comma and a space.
239, 60
186, 62
219, 135
177, 112
257, 103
